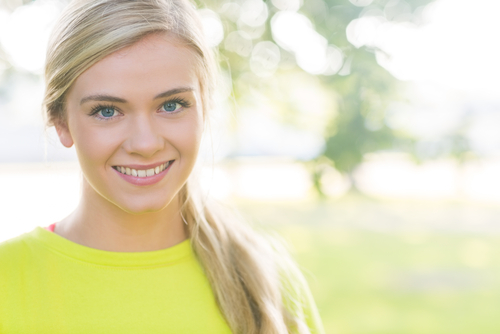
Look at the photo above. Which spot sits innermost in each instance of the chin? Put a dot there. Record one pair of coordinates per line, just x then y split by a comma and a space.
143, 206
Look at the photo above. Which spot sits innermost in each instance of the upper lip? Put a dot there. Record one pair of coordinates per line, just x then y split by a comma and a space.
153, 165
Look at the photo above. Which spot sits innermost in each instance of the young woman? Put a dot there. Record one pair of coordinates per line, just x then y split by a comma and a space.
130, 85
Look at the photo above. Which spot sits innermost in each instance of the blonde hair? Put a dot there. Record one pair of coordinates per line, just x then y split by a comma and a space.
255, 283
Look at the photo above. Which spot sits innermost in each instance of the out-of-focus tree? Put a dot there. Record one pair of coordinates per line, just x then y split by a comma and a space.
268, 40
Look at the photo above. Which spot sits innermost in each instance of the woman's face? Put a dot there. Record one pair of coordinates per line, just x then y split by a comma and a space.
136, 121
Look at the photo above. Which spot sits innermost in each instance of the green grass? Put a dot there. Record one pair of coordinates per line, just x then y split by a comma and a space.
394, 267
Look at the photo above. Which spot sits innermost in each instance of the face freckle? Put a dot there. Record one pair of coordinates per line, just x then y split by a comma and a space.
135, 128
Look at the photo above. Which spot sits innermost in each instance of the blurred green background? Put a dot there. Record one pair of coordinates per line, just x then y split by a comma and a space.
373, 270
365, 132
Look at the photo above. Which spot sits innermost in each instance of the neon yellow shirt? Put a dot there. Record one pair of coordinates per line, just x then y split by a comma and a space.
49, 284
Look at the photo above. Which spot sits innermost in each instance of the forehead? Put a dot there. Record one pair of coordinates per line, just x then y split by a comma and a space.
156, 63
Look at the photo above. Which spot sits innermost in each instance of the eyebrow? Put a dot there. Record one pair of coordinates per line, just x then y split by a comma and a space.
109, 98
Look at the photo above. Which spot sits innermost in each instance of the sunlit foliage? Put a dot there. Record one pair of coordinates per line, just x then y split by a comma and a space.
266, 41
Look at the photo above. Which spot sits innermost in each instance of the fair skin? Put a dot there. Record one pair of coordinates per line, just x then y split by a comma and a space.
140, 130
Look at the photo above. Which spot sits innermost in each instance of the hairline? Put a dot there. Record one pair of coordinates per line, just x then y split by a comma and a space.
173, 38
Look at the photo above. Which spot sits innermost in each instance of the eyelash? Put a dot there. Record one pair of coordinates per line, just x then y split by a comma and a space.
99, 107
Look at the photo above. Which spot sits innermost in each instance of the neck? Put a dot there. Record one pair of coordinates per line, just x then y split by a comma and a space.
100, 224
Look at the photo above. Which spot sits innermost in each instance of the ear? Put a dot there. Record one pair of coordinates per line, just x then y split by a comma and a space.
64, 134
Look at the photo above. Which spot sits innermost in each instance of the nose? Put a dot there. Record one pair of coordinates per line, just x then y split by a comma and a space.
143, 137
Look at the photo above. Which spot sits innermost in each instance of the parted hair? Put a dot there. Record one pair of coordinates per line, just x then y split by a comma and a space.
257, 286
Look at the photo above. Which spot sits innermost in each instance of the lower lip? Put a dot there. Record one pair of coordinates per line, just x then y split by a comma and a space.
144, 181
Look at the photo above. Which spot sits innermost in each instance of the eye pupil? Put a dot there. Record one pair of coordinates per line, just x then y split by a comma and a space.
170, 106
107, 112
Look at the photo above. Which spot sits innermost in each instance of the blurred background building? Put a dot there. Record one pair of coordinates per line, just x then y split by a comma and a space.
363, 131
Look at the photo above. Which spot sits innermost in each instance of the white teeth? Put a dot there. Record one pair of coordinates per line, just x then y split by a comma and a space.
143, 173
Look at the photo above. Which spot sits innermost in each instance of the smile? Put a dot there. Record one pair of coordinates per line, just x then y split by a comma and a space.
143, 172
143, 177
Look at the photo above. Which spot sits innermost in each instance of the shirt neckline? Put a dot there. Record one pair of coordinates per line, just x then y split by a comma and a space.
158, 258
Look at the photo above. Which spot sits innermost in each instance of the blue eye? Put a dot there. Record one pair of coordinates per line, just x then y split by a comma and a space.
171, 106
107, 112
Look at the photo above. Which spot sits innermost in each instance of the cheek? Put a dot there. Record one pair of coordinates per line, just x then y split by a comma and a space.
187, 137
93, 145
